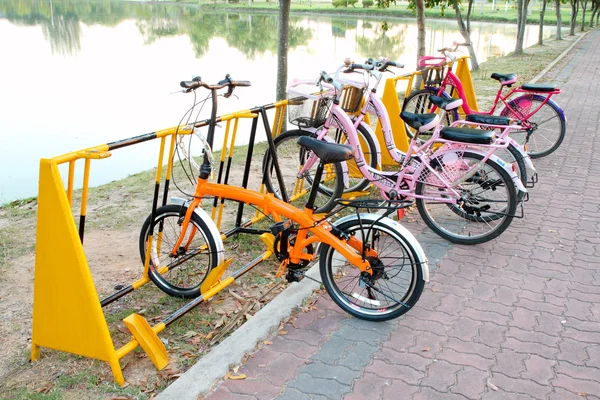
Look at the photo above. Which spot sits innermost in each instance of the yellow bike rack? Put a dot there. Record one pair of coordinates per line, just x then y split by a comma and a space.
67, 312
391, 100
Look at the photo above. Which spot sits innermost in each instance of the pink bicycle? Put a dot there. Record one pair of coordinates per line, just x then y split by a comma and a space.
448, 185
543, 121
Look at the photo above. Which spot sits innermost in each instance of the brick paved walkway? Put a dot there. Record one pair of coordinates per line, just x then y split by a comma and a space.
516, 318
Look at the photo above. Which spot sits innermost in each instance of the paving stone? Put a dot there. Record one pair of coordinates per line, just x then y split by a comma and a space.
308, 384
339, 373
471, 383
369, 386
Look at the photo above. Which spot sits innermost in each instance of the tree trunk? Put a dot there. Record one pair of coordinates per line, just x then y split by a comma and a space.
541, 34
465, 31
583, 6
521, 22
574, 9
421, 33
558, 21
282, 47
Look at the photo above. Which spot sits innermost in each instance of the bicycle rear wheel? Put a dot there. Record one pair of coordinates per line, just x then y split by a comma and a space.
397, 280
548, 125
292, 157
194, 259
487, 202
356, 181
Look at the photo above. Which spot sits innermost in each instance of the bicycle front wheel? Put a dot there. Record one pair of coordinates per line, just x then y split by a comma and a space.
418, 103
292, 157
184, 272
397, 280
548, 125
487, 201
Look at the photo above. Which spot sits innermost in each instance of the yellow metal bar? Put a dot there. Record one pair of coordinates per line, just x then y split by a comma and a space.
84, 192
160, 160
71, 181
129, 347
171, 153
140, 282
392, 105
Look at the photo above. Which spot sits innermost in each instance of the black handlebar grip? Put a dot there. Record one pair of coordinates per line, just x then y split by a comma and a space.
190, 85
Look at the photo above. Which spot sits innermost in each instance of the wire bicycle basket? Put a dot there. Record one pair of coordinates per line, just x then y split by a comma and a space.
434, 70
306, 107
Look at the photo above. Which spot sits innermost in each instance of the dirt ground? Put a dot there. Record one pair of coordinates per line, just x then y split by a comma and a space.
115, 215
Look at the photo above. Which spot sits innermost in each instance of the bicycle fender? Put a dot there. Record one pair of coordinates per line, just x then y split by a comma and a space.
508, 168
526, 157
409, 237
344, 165
212, 227
374, 137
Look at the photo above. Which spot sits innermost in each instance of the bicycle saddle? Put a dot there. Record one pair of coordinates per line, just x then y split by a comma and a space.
487, 119
445, 103
504, 79
327, 152
467, 135
422, 122
538, 88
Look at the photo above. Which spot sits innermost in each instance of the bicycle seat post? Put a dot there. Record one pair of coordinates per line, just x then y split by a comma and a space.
312, 196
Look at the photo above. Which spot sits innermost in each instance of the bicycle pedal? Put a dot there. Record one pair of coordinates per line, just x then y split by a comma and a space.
294, 276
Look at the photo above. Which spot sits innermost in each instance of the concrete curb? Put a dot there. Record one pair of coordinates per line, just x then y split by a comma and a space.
560, 57
215, 365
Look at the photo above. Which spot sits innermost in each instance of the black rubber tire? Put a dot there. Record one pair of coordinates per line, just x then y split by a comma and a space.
418, 102
550, 125
469, 225
397, 248
185, 279
357, 181
289, 152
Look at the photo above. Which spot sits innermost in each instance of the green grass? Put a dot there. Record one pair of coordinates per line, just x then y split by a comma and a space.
401, 9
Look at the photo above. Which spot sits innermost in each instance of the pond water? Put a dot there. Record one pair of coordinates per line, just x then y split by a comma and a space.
80, 74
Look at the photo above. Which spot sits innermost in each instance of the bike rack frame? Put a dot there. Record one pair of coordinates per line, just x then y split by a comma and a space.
67, 314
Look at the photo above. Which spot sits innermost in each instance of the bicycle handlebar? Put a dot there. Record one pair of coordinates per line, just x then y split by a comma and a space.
456, 46
370, 65
227, 82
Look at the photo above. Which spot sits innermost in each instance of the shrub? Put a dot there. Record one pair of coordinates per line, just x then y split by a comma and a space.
344, 3
367, 3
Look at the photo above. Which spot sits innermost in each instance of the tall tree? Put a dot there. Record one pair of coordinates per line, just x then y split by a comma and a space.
282, 47
541, 32
522, 6
558, 21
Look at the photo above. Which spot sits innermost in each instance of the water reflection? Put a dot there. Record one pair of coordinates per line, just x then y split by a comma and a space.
107, 70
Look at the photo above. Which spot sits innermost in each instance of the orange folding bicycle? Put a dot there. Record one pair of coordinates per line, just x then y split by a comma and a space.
370, 265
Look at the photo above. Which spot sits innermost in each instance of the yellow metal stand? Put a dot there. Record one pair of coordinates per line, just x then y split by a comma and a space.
66, 312
464, 74
392, 104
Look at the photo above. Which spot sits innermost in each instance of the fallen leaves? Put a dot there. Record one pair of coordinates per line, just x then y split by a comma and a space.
234, 377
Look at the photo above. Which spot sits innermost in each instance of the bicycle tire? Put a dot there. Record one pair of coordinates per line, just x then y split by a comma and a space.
185, 279
357, 182
392, 246
449, 220
550, 124
291, 157
418, 102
